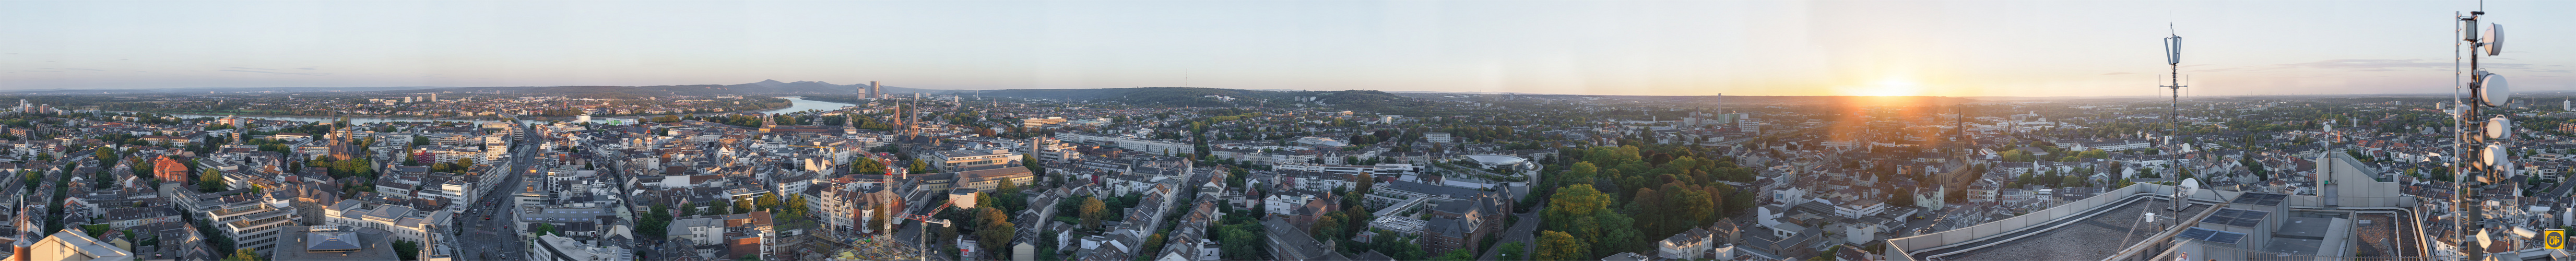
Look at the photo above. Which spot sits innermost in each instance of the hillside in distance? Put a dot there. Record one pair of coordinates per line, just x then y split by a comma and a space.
774, 87
1366, 100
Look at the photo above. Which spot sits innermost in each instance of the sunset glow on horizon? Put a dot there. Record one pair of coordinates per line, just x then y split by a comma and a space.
1868, 48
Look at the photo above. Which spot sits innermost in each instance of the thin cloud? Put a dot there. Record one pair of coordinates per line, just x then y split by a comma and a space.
2117, 73
2381, 64
2373, 65
312, 74
306, 68
253, 68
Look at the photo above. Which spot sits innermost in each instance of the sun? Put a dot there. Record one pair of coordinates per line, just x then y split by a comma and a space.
1890, 87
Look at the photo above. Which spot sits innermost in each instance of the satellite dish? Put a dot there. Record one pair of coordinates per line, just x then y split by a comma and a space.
2492, 89
2493, 38
2499, 127
2189, 186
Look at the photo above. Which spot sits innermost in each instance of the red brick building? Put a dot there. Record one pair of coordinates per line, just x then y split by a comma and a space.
169, 168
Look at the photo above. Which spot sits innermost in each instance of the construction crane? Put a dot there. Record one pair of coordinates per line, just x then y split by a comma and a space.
920, 239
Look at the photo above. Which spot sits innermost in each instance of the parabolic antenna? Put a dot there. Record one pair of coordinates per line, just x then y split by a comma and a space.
2189, 186
2494, 154
2499, 127
2492, 89
2504, 169
2493, 38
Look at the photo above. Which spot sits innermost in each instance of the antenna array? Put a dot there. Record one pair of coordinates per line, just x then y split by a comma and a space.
2482, 138
2173, 58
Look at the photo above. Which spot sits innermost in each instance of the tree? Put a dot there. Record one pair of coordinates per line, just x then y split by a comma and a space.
546, 229
869, 166
997, 233
2017, 155
1092, 210
1242, 242
95, 231
988, 217
1515, 251
878, 219
210, 181
690, 210
106, 156
1574, 202
1687, 206
720, 207
406, 250
1398, 247
1031, 160
1153, 243
1619, 233
655, 224
142, 168
244, 254
1457, 255
1328, 227
1553, 245
104, 180
1581, 173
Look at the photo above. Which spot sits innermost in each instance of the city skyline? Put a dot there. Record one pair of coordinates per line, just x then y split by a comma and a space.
1944, 48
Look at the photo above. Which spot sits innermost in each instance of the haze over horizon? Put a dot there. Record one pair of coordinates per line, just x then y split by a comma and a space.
1754, 48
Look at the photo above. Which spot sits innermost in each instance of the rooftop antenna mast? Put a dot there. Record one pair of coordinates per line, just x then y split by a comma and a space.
2173, 59
2482, 137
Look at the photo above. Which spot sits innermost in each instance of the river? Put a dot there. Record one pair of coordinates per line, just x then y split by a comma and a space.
795, 104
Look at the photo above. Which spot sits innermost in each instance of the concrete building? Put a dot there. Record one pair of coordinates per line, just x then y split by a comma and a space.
250, 219
2207, 224
1041, 123
1693, 244
72, 245
400, 222
555, 248
335, 243
960, 160
963, 198
738, 234
576, 219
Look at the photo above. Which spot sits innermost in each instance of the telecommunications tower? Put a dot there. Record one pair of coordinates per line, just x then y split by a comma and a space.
2481, 136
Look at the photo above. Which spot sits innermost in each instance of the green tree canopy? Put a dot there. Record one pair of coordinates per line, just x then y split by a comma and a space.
1553, 245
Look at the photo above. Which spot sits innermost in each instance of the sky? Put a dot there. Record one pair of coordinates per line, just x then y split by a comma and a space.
1938, 48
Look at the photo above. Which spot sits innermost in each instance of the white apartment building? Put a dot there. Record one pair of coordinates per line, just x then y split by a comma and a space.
403, 222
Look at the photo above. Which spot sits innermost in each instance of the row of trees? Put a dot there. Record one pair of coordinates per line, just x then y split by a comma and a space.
1611, 198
